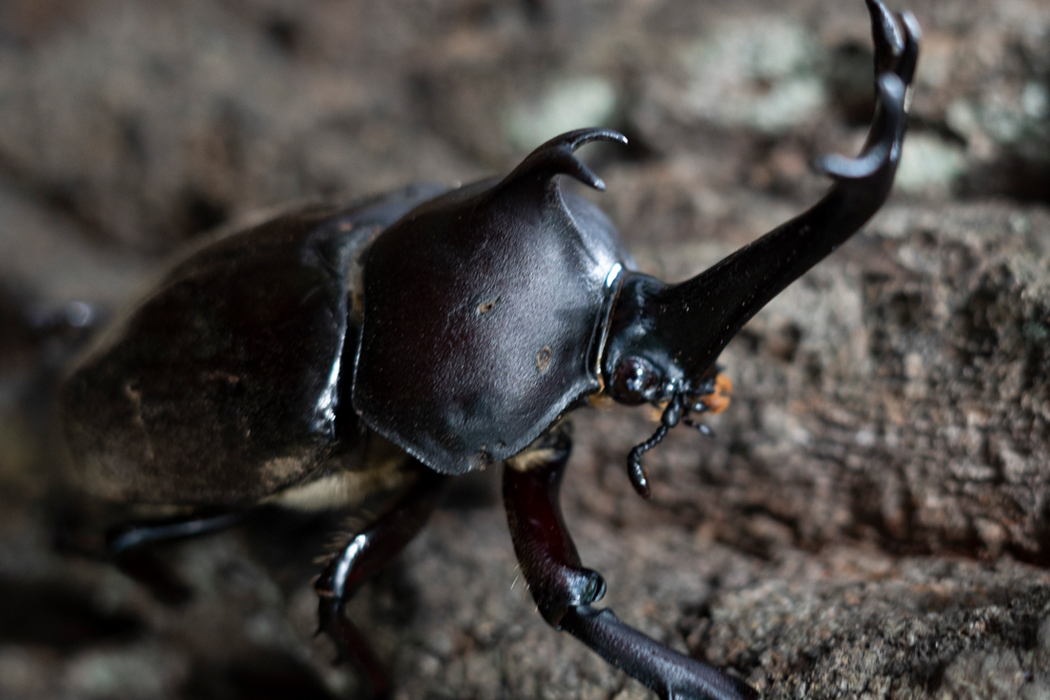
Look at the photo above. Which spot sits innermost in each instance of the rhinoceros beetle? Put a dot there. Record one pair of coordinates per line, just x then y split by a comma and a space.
426, 333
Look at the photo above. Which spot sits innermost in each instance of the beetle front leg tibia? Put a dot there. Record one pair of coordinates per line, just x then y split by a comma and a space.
362, 556
564, 590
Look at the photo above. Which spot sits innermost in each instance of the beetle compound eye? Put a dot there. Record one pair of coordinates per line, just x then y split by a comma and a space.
634, 381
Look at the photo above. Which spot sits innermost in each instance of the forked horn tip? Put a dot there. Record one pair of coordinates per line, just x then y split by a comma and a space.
892, 93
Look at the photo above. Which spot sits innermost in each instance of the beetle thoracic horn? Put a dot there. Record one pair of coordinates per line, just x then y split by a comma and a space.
557, 157
699, 316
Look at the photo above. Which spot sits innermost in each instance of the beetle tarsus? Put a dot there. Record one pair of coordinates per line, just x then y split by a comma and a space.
351, 646
564, 590
362, 556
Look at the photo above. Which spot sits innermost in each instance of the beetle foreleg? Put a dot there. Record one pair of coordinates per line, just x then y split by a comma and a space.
564, 590
361, 557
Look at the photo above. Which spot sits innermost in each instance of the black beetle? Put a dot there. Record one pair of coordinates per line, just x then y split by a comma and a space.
284, 363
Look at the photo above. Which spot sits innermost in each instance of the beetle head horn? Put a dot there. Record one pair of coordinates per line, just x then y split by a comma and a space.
664, 339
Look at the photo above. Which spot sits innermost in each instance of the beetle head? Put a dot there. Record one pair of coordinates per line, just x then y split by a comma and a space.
652, 356
644, 362
663, 339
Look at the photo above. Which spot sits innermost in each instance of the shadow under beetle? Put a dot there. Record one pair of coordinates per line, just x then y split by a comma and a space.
284, 364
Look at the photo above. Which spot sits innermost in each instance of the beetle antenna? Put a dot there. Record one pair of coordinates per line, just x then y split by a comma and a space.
639, 477
635, 470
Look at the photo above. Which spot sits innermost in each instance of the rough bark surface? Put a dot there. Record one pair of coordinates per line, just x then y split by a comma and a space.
872, 517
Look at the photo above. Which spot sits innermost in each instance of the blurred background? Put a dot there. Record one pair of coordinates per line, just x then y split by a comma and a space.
872, 518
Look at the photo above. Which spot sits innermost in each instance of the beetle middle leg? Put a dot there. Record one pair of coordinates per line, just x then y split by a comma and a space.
564, 590
362, 556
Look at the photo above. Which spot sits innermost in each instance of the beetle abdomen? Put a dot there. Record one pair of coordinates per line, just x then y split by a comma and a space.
224, 385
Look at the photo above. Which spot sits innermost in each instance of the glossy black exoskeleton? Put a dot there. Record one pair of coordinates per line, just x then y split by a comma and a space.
427, 333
